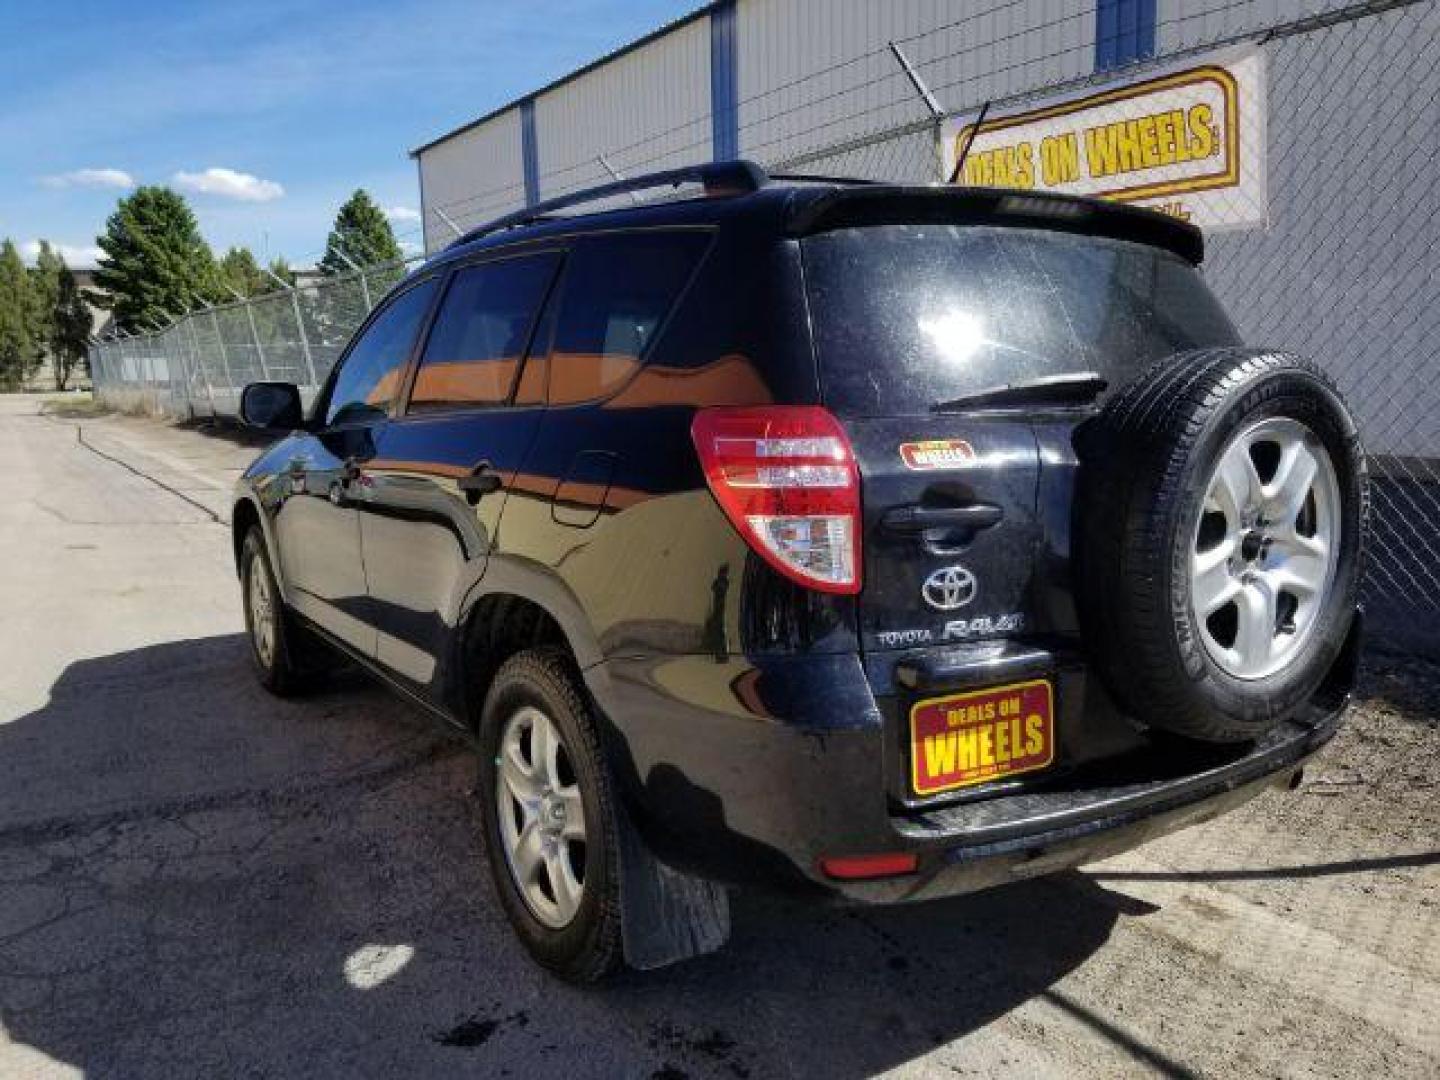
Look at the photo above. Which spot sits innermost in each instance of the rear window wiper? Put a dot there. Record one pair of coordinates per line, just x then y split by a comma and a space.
1072, 388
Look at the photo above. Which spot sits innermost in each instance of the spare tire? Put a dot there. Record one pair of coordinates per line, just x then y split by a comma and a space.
1221, 507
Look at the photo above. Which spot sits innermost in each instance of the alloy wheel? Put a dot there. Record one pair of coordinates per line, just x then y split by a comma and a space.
1265, 548
541, 817
262, 614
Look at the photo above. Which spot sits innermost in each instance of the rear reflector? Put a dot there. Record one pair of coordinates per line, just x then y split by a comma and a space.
786, 478
858, 867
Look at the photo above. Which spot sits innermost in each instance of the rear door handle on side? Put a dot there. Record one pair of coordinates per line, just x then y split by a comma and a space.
908, 520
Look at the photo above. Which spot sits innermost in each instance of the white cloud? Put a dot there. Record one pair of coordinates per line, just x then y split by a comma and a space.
402, 213
229, 184
411, 247
96, 178
73, 254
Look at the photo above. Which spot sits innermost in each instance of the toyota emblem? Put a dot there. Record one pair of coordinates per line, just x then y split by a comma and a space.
950, 588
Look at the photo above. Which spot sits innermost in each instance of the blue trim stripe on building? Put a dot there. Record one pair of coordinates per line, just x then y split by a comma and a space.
1124, 32
724, 83
529, 152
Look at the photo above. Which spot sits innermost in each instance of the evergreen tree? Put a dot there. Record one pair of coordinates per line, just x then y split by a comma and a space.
69, 347
240, 271
281, 269
44, 300
155, 259
16, 317
364, 235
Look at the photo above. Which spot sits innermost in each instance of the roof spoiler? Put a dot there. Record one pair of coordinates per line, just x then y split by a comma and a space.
904, 205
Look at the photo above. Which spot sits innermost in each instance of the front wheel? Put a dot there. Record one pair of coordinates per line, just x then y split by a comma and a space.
277, 647
550, 827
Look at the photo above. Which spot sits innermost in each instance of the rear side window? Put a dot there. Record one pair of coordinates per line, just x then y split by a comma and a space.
480, 333
906, 316
369, 376
618, 290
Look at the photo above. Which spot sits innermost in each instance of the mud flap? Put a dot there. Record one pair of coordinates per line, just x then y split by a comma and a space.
665, 916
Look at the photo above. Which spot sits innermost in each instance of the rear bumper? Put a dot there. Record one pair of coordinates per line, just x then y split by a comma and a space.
753, 772
960, 856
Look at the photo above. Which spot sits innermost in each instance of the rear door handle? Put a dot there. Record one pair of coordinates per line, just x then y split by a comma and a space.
909, 520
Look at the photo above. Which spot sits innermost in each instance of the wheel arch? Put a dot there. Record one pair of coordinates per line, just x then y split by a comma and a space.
503, 619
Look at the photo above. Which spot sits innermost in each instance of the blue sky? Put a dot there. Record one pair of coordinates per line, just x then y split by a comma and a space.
267, 114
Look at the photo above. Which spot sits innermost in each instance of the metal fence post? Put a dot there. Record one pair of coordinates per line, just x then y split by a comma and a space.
932, 104
299, 322
255, 333
220, 344
195, 350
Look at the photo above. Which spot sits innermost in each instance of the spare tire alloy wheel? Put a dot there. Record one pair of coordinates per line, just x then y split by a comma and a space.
1222, 502
541, 817
1265, 547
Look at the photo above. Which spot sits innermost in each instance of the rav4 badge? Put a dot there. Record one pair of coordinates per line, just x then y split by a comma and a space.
937, 454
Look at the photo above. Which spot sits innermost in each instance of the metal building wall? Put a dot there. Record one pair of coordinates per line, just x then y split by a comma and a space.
645, 110
471, 177
1354, 201
816, 72
1184, 24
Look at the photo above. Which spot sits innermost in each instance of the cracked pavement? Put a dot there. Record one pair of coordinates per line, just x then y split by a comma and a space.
199, 879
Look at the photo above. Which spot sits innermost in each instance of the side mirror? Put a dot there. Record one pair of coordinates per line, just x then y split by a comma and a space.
273, 406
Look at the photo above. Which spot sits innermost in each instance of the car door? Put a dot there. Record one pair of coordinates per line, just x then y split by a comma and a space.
442, 472
317, 526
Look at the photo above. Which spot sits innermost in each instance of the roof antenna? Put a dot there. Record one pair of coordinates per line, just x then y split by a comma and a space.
974, 131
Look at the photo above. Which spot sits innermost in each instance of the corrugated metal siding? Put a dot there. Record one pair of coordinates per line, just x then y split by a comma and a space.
472, 177
1184, 24
647, 110
817, 72
1345, 273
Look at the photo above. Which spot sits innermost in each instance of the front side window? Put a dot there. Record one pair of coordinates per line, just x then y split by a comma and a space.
618, 290
480, 333
369, 377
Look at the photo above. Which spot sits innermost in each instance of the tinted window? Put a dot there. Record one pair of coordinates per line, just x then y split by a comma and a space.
480, 333
618, 290
909, 315
369, 378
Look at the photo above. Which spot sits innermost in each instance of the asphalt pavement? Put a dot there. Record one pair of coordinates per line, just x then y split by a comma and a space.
199, 879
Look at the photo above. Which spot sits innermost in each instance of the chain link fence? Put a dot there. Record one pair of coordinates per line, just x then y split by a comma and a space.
1345, 271
198, 366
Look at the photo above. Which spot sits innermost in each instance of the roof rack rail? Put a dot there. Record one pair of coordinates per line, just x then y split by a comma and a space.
821, 178
717, 178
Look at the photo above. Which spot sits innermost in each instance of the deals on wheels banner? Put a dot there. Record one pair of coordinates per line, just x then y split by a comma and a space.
1187, 140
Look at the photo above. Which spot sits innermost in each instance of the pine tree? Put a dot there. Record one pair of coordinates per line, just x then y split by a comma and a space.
44, 299
155, 259
72, 324
281, 269
240, 271
16, 317
362, 233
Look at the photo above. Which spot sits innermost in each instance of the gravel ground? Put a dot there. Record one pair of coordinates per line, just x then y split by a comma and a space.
197, 879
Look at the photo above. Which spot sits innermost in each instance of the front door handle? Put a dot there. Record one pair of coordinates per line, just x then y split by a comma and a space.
481, 482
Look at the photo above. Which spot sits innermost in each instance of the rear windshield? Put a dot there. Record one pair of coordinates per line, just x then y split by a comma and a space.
906, 316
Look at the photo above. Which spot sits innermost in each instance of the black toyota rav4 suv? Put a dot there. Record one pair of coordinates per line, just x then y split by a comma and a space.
884, 542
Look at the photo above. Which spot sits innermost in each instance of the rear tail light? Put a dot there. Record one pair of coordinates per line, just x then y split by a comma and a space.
864, 867
786, 477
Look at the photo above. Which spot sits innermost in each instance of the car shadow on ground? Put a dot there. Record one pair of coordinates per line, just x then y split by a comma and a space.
198, 878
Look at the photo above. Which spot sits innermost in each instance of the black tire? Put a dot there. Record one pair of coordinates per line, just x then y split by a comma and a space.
590, 946
296, 660
1144, 465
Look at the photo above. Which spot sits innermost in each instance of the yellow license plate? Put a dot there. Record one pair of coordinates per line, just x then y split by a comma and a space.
981, 735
